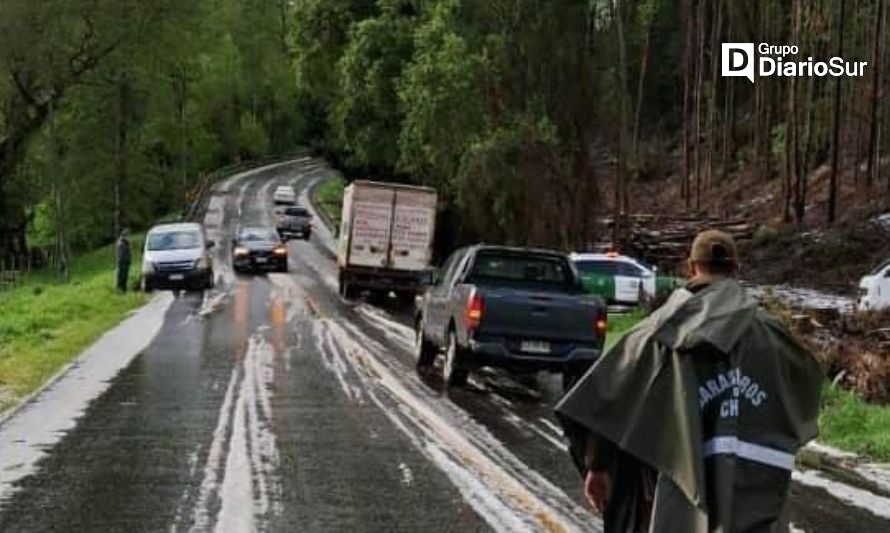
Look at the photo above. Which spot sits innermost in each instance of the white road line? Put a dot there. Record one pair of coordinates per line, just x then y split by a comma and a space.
539, 501
877, 505
244, 449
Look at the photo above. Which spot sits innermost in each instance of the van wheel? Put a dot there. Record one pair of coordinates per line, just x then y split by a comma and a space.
146, 285
424, 350
454, 371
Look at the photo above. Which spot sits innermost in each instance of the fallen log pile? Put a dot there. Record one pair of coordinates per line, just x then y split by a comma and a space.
665, 240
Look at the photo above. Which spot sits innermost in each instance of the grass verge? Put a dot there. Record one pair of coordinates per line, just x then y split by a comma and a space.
329, 198
620, 323
45, 324
850, 423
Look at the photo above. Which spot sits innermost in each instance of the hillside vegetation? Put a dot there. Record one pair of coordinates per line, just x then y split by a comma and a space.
534, 120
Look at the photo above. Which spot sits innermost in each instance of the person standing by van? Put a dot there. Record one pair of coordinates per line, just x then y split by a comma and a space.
124, 256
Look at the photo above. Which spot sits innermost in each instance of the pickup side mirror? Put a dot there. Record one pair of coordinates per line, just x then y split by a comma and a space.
210, 244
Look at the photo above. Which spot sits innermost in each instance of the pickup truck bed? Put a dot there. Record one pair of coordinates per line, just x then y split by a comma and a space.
521, 309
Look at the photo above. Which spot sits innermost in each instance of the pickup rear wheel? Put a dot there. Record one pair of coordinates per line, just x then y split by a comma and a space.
424, 350
454, 371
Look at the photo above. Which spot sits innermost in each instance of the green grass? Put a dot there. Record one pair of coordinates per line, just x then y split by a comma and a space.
329, 198
620, 323
44, 323
849, 423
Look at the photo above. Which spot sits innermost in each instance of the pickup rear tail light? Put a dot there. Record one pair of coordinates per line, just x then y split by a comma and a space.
602, 324
475, 310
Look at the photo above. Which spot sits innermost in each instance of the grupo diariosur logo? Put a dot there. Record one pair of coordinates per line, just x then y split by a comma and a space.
738, 59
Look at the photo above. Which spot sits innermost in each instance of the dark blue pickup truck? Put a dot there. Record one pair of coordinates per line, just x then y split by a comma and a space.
518, 308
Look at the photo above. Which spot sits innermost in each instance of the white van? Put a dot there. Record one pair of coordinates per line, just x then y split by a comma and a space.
874, 289
177, 256
284, 195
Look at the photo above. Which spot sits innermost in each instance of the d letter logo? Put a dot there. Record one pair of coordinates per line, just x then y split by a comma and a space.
737, 59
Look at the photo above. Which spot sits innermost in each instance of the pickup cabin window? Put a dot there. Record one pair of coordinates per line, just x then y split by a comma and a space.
522, 269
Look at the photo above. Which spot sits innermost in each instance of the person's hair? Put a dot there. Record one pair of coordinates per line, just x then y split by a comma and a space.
719, 268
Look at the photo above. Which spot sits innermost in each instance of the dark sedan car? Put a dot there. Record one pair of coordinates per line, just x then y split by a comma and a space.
259, 249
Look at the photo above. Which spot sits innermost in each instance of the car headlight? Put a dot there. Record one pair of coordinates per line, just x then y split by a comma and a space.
148, 267
241, 251
203, 263
281, 250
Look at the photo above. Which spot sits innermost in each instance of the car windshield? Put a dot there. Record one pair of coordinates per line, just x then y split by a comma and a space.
605, 267
257, 235
296, 212
174, 240
522, 268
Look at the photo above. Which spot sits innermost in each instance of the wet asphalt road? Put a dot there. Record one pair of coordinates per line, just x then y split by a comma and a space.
270, 404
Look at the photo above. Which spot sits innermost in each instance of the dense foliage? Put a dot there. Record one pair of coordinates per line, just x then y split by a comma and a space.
111, 109
533, 118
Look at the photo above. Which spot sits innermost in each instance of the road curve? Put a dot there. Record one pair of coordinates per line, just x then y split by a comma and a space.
270, 404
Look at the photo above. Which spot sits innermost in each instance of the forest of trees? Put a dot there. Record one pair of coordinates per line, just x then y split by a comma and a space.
533, 118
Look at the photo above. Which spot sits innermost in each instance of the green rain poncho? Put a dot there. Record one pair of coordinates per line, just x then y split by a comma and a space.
714, 395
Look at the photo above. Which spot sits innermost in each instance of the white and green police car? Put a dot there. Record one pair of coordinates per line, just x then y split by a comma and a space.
622, 280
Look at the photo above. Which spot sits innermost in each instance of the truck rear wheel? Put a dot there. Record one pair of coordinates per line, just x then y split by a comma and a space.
347, 291
454, 371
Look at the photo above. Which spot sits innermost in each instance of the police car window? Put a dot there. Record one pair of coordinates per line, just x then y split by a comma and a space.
631, 270
597, 266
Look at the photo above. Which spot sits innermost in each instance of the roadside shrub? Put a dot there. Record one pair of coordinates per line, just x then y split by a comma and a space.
764, 235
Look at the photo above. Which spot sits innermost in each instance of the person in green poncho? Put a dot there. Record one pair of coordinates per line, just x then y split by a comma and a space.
691, 422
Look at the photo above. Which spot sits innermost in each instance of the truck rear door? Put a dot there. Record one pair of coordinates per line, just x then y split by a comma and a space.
413, 229
372, 209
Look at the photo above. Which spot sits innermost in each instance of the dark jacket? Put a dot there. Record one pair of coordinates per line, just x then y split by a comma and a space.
124, 254
715, 396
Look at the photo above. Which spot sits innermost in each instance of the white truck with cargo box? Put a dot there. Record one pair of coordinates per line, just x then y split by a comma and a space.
386, 237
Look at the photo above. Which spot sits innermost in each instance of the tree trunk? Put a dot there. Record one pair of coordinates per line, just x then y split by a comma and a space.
181, 103
836, 135
687, 58
699, 78
644, 65
875, 84
121, 156
60, 223
621, 196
